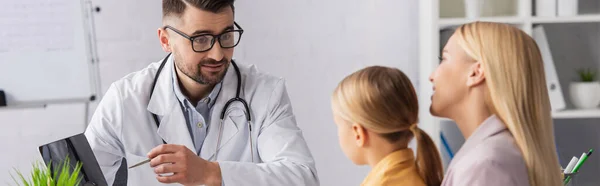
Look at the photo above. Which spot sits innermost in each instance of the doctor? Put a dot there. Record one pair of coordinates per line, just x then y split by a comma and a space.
200, 117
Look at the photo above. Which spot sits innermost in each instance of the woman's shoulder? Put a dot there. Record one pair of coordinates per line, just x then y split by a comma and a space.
491, 171
497, 149
494, 158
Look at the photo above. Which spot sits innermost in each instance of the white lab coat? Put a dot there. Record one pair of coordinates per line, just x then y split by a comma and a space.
122, 126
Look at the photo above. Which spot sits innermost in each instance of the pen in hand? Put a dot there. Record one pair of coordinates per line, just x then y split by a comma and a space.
148, 161
140, 163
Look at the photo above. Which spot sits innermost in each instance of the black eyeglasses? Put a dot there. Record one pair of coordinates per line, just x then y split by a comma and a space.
205, 42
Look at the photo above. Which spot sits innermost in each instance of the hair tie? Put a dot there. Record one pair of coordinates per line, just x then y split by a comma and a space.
414, 128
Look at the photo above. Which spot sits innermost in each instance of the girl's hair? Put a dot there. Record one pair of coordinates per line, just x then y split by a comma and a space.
515, 78
383, 100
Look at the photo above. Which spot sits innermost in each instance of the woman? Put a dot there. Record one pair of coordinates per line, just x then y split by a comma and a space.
376, 113
491, 82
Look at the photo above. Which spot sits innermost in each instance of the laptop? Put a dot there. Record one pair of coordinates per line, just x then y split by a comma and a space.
77, 149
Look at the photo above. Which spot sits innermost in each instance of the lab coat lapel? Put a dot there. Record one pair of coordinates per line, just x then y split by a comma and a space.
173, 127
229, 87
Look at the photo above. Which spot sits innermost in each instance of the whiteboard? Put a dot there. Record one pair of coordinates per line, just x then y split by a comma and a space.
46, 51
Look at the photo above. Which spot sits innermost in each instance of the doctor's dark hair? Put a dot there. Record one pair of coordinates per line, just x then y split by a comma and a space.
384, 101
177, 7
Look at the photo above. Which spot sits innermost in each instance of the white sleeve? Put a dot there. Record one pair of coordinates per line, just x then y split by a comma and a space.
104, 133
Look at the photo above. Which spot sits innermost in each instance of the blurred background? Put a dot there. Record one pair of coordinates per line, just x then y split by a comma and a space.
312, 44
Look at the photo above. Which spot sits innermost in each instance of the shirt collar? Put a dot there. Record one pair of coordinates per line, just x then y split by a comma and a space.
399, 158
210, 99
396, 157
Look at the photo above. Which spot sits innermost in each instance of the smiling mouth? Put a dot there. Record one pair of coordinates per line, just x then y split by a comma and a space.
213, 65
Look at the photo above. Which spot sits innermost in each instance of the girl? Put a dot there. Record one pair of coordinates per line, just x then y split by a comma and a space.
376, 113
491, 82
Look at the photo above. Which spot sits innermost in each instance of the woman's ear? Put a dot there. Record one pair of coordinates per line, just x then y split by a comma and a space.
163, 37
476, 74
360, 135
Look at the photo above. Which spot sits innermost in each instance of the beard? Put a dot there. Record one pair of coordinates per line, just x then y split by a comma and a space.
195, 72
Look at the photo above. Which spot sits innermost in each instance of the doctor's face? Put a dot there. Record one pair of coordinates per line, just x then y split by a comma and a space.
205, 67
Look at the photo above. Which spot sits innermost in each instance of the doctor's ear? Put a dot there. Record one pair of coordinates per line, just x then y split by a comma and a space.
360, 135
476, 74
163, 37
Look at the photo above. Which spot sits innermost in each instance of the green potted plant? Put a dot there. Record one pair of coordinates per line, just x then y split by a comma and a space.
585, 93
41, 175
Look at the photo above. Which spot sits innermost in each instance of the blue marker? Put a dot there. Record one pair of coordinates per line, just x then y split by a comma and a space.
446, 146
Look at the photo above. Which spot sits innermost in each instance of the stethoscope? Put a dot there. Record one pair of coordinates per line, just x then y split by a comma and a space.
223, 112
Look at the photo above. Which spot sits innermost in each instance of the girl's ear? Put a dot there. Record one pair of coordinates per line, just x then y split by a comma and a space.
360, 135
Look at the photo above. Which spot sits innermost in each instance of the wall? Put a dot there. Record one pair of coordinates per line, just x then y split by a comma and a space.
25, 129
456, 8
127, 37
313, 44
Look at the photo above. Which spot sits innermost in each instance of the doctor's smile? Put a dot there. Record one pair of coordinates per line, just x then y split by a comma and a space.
212, 68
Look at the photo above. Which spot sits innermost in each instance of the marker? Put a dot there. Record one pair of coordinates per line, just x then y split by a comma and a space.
446, 146
571, 165
582, 160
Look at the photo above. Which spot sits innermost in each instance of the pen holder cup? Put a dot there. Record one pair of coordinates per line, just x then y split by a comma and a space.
570, 179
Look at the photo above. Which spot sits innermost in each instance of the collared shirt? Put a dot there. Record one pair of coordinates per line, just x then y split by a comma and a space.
397, 168
489, 157
198, 117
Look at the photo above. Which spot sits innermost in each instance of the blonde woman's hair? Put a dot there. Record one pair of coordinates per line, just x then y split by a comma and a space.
517, 93
383, 100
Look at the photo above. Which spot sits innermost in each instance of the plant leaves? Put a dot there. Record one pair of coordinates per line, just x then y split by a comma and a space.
41, 175
587, 75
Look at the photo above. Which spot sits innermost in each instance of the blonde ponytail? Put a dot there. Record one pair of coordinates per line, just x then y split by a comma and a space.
383, 100
428, 161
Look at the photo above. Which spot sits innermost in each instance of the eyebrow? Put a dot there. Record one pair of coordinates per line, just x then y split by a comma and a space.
199, 32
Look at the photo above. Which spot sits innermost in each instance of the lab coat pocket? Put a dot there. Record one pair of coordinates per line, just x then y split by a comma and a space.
230, 128
235, 145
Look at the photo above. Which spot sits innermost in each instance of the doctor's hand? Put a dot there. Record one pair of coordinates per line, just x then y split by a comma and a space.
186, 166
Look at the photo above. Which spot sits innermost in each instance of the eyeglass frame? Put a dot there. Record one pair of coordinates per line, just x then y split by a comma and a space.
214, 37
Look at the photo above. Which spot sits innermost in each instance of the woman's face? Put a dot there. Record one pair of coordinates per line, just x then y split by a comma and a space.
450, 79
